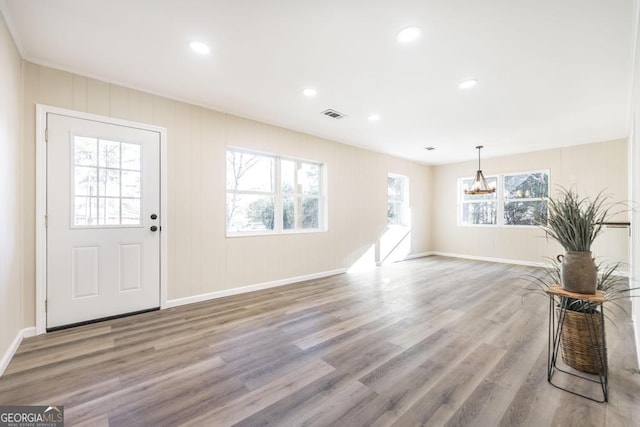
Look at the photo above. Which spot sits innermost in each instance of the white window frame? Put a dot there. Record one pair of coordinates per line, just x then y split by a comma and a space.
505, 199
279, 196
461, 201
500, 199
405, 219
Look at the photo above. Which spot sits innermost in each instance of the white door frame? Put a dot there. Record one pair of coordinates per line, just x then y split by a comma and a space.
41, 202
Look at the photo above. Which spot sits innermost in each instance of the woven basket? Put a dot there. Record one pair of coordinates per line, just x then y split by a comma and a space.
577, 350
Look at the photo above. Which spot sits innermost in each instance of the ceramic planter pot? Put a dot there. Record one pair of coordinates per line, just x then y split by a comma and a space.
578, 272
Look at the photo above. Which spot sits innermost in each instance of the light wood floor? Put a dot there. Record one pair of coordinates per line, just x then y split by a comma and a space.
434, 341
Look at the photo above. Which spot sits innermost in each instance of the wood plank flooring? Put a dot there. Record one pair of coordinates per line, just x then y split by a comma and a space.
434, 341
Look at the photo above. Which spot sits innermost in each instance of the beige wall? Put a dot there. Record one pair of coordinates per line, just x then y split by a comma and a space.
587, 168
634, 146
11, 305
201, 258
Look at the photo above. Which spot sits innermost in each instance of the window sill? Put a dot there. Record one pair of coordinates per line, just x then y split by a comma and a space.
526, 227
273, 233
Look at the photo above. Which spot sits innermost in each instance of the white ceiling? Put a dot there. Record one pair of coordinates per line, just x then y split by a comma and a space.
550, 72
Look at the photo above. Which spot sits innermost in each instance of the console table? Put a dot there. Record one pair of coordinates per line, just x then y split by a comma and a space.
558, 299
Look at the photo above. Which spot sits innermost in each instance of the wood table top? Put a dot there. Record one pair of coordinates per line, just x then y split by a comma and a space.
598, 297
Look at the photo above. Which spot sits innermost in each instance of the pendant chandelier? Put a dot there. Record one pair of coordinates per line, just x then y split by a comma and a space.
479, 185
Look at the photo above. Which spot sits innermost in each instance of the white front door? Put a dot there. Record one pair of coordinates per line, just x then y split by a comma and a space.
103, 220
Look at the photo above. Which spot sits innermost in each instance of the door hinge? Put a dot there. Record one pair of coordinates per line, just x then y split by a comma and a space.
46, 221
46, 306
46, 135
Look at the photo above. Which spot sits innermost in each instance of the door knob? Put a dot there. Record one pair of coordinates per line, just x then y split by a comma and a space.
154, 216
154, 228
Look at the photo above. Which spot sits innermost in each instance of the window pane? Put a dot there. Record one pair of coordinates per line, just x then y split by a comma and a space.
394, 188
109, 184
109, 154
85, 211
479, 213
98, 189
492, 182
529, 212
85, 181
248, 172
288, 176
249, 212
131, 211
300, 213
288, 213
526, 186
85, 151
394, 213
130, 184
310, 213
309, 179
108, 211
130, 156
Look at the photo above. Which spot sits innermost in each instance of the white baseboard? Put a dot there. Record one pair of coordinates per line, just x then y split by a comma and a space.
13, 347
251, 288
490, 259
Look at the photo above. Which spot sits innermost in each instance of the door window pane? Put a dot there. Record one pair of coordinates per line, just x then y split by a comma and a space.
109, 184
130, 156
130, 184
130, 211
109, 153
85, 181
104, 193
86, 151
85, 211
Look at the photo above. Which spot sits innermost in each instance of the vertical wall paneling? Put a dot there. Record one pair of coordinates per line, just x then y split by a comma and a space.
12, 278
118, 102
587, 168
30, 94
98, 100
201, 259
79, 102
634, 152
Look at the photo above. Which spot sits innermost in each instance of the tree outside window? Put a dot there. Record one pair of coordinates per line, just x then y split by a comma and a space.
525, 198
479, 209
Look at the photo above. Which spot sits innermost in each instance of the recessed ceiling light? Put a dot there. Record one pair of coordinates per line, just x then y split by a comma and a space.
374, 118
199, 47
309, 92
467, 84
408, 35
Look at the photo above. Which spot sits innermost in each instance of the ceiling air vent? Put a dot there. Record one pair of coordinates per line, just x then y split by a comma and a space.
333, 114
